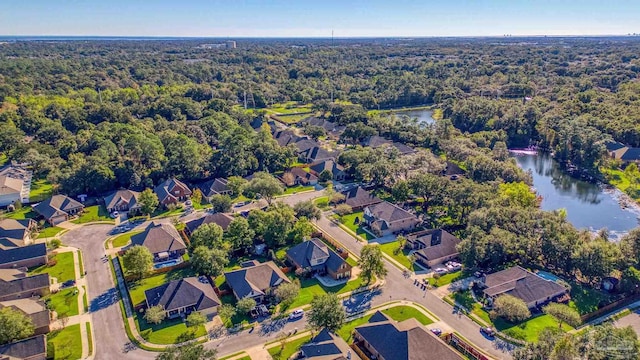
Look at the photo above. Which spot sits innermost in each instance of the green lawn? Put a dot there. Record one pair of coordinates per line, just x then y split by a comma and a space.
63, 270
93, 213
322, 202
296, 189
402, 313
290, 348
347, 329
289, 107
168, 331
81, 263
89, 338
310, 288
24, 213
585, 299
49, 232
65, 343
349, 222
401, 257
446, 279
137, 288
64, 302
530, 329
3, 159
40, 189
465, 299
123, 239
162, 212
619, 179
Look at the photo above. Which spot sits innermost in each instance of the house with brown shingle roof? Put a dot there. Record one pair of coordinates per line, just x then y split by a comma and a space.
33, 348
15, 284
16, 233
162, 240
433, 246
255, 280
330, 165
58, 208
385, 218
10, 190
359, 198
222, 219
181, 297
122, 200
34, 309
217, 186
172, 191
298, 177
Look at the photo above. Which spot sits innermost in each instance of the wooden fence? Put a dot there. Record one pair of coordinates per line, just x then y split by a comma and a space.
465, 347
610, 307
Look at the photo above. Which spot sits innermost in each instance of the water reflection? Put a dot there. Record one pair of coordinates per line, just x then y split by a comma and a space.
424, 117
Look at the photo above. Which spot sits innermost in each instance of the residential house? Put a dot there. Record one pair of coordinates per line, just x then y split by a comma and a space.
221, 219
34, 309
330, 165
327, 346
286, 137
297, 176
10, 190
433, 247
172, 191
33, 348
217, 186
376, 141
15, 233
58, 208
385, 218
385, 339
15, 284
23, 256
516, 281
255, 280
332, 129
122, 200
359, 198
314, 154
162, 240
619, 151
181, 297
316, 257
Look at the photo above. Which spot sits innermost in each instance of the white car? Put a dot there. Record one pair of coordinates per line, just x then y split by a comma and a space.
440, 271
296, 314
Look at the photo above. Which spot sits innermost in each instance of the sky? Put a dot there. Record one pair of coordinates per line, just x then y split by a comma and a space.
318, 18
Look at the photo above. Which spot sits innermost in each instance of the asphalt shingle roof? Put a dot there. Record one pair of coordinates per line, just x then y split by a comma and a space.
314, 250
257, 278
9, 185
359, 197
12, 232
122, 197
159, 237
389, 212
22, 253
26, 348
165, 189
13, 285
56, 205
521, 283
181, 293
215, 186
221, 219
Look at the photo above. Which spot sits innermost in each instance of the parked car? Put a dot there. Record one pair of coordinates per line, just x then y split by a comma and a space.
296, 314
115, 214
488, 331
440, 271
188, 203
68, 283
436, 331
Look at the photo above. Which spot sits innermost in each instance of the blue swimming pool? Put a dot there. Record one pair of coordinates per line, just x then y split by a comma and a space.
548, 276
167, 263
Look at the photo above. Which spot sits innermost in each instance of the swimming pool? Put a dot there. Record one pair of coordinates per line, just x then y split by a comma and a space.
167, 263
548, 276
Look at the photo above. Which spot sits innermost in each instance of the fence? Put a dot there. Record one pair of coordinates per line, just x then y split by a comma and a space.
465, 347
335, 244
610, 307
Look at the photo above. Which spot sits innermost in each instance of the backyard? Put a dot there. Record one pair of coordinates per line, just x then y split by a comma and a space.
64, 302
350, 222
21, 214
586, 300
137, 288
167, 332
446, 279
40, 190
347, 328
65, 343
391, 249
63, 269
123, 239
93, 213
289, 349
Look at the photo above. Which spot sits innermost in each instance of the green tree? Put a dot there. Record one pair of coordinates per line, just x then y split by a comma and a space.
325, 175
245, 305
510, 308
236, 184
196, 319
563, 314
371, 263
277, 223
326, 312
138, 261
221, 203
401, 191
155, 314
343, 209
287, 292
265, 185
517, 194
14, 325
239, 234
196, 196
148, 201
301, 231
209, 261
307, 209
190, 351
226, 311
209, 235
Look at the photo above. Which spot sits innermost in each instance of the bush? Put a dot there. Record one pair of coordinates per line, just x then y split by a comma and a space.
55, 243
343, 209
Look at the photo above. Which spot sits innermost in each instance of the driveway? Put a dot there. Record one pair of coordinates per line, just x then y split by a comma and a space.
632, 320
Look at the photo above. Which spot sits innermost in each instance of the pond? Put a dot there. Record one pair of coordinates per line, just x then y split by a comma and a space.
424, 116
588, 205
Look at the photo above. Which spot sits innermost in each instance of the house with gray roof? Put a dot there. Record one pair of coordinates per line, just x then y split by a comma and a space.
337, 171
15, 233
255, 280
122, 200
172, 191
433, 246
58, 208
358, 198
385, 339
297, 176
316, 257
15, 284
217, 186
521, 283
181, 297
23, 256
327, 346
385, 218
34, 309
376, 141
222, 219
162, 240
33, 348
10, 190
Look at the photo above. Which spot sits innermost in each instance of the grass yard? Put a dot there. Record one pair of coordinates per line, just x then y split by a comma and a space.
401, 257
290, 348
402, 313
350, 222
123, 239
3, 159
465, 299
63, 270
322, 202
168, 331
65, 343
89, 338
310, 288
24, 213
296, 189
64, 302
162, 212
93, 213
289, 107
40, 190
347, 329
619, 179
585, 299
137, 288
530, 329
446, 279
49, 232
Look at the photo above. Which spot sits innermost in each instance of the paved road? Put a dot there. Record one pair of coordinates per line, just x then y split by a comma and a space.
397, 287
